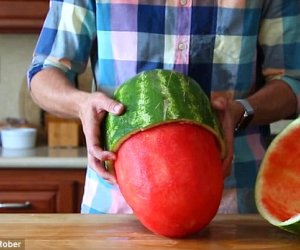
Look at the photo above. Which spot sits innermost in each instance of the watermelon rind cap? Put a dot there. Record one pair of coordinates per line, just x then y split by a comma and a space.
292, 224
160, 96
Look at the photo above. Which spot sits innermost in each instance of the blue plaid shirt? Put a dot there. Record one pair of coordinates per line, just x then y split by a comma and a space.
231, 47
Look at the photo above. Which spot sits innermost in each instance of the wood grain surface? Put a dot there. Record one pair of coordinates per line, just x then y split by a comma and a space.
77, 231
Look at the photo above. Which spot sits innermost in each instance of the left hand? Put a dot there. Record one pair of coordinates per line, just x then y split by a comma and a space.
225, 114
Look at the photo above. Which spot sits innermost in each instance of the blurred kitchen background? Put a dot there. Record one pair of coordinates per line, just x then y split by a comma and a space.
48, 177
20, 23
17, 108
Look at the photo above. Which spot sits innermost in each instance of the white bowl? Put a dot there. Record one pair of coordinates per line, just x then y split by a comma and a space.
18, 138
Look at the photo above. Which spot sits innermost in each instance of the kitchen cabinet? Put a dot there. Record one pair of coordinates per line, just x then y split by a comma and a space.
22, 16
41, 190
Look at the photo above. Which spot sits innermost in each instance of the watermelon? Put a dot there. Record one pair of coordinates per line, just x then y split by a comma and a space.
169, 148
278, 181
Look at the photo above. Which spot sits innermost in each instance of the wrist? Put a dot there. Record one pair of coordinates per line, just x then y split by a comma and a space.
82, 103
236, 111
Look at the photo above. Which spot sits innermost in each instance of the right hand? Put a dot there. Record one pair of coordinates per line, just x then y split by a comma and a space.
92, 111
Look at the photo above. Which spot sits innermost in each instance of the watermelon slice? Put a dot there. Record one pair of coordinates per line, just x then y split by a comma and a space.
277, 188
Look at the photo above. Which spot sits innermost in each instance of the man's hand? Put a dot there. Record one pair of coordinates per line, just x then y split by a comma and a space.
92, 112
226, 116
53, 92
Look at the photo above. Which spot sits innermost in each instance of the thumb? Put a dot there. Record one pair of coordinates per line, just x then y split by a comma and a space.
109, 105
219, 103
116, 108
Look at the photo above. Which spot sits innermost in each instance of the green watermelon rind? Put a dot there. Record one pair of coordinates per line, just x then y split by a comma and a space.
159, 89
291, 225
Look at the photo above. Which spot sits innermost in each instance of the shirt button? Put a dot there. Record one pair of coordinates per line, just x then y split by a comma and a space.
181, 46
183, 2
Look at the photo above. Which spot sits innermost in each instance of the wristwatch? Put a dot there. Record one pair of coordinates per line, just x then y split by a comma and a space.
247, 115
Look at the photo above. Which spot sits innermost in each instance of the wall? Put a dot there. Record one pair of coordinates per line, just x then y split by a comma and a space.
15, 57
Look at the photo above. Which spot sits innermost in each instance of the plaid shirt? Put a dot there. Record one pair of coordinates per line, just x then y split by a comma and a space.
231, 47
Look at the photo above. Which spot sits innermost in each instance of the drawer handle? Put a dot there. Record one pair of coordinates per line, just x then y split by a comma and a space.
26, 204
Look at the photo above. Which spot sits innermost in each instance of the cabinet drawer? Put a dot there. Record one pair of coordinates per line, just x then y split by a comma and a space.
41, 190
28, 202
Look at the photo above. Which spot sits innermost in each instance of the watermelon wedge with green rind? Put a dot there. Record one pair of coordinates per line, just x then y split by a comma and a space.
160, 96
277, 190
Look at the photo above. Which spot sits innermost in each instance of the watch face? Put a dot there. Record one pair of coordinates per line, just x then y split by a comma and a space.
245, 121
247, 116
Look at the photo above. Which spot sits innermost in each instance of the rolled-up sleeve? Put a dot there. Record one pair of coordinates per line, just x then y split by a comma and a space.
66, 38
280, 40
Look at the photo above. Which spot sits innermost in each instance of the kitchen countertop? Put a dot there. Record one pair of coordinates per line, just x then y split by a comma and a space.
78, 231
40, 157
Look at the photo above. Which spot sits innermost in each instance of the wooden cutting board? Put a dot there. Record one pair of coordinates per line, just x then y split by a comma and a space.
87, 232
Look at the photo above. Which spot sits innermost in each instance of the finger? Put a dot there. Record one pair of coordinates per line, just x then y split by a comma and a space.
93, 135
227, 166
227, 162
99, 168
98, 153
219, 103
108, 104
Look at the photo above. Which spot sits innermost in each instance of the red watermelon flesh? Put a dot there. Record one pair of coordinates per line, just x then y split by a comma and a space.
280, 190
171, 176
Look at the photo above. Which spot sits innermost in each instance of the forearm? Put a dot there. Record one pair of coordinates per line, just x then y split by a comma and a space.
273, 102
53, 92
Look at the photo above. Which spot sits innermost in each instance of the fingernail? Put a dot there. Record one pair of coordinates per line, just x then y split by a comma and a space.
118, 108
219, 102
